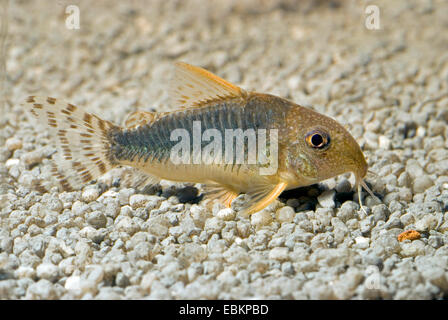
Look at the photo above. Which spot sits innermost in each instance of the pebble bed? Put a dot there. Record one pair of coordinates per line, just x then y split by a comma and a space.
111, 241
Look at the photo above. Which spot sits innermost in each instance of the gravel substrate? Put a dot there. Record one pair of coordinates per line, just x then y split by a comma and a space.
111, 241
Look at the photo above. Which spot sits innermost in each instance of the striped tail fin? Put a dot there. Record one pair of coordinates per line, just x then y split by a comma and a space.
82, 141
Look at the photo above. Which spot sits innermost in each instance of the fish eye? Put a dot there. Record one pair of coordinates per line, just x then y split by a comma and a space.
317, 139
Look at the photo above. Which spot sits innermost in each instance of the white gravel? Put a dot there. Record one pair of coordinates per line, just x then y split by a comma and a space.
389, 87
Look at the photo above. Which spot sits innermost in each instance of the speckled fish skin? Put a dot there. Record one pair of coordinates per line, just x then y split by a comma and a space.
148, 147
343, 154
311, 147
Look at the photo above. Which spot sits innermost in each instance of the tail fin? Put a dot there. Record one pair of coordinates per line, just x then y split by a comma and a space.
81, 138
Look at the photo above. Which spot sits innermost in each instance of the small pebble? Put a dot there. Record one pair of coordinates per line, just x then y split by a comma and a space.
41, 290
33, 157
97, 219
362, 242
127, 225
427, 223
13, 144
343, 186
279, 253
422, 183
226, 214
47, 271
285, 214
326, 199
409, 235
413, 249
214, 225
138, 201
261, 218
73, 283
12, 163
90, 194
384, 142
380, 212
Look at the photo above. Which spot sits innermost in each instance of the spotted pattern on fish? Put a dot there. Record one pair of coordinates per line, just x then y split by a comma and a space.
152, 142
81, 138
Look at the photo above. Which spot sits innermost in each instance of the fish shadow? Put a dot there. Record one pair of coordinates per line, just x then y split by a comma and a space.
307, 197
185, 194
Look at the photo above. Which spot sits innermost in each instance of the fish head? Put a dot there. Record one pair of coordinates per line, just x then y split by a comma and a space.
320, 148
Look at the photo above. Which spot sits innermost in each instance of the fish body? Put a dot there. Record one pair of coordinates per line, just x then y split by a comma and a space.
282, 145
253, 114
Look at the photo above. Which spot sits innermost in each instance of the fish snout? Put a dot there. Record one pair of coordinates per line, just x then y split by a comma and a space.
360, 166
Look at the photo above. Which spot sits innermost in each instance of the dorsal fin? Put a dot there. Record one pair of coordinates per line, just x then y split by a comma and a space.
193, 87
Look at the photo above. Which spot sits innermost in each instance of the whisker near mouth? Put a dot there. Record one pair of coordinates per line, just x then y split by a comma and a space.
360, 183
371, 173
366, 187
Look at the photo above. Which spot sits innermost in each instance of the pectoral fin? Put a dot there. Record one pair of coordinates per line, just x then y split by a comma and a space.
261, 196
